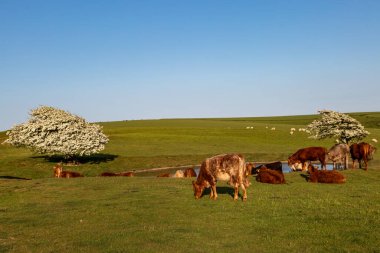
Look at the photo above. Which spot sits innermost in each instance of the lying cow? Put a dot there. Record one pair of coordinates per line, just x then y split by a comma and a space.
339, 154
325, 176
270, 176
164, 175
361, 152
272, 166
122, 174
306, 155
190, 172
178, 174
60, 173
229, 167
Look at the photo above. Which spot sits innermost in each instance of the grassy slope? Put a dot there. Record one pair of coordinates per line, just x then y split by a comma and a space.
160, 215
159, 143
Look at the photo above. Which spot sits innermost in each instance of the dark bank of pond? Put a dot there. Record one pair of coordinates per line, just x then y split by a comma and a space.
171, 170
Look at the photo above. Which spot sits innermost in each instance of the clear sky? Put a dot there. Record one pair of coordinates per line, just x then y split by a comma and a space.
141, 59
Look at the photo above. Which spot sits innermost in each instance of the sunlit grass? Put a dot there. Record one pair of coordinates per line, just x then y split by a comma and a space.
149, 214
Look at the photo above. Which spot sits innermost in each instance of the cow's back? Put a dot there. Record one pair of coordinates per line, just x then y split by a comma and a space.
312, 153
224, 167
229, 163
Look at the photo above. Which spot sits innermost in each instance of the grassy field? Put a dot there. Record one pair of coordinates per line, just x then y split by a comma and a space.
149, 214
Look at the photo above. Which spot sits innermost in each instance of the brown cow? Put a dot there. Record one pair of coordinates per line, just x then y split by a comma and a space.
109, 174
270, 176
361, 152
228, 167
60, 173
164, 175
325, 176
190, 172
310, 154
272, 166
121, 174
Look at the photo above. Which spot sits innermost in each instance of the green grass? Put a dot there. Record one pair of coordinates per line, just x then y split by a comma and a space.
148, 214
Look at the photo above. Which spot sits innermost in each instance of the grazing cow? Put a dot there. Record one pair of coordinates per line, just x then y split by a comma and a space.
60, 173
228, 167
190, 172
270, 176
325, 176
310, 154
272, 166
362, 152
338, 154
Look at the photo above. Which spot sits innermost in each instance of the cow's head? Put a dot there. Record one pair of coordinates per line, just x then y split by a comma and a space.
198, 189
292, 162
311, 169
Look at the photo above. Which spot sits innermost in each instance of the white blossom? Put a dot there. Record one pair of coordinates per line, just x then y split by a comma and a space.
338, 125
54, 131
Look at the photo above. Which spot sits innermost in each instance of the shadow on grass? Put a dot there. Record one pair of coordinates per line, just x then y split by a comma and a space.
17, 178
306, 177
92, 159
221, 190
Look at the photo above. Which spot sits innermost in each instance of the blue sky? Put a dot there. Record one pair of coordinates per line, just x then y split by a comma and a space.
137, 59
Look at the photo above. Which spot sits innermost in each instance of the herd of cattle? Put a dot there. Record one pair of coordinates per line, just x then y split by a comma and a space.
234, 169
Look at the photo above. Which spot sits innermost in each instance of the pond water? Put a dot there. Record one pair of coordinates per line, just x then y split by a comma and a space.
155, 173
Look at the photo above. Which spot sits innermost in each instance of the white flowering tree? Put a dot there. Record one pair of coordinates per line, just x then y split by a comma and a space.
57, 132
337, 125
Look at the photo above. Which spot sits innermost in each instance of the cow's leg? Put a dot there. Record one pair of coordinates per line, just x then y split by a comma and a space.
360, 163
236, 193
365, 163
213, 192
346, 162
244, 191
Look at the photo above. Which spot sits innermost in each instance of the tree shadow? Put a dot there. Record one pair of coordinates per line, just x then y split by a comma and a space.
221, 190
92, 159
17, 178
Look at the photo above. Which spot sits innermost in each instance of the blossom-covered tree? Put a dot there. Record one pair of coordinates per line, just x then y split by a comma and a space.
337, 125
57, 132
